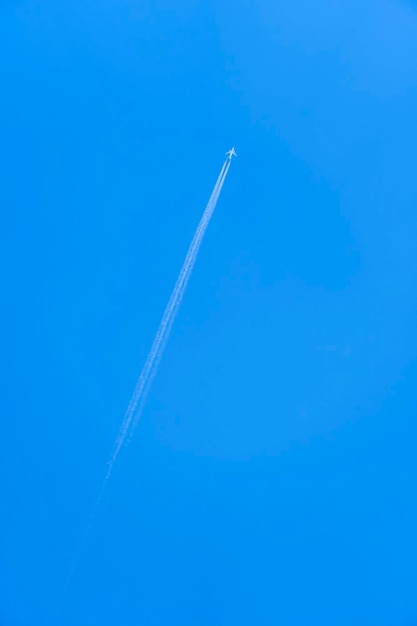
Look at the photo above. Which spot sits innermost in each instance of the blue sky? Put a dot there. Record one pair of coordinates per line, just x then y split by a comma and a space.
272, 479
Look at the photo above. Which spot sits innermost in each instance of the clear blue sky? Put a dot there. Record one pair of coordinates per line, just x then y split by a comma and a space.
272, 480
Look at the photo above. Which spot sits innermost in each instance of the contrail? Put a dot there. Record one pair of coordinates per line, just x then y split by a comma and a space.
149, 369
135, 407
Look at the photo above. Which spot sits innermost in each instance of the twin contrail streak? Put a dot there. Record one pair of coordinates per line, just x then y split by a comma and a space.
135, 408
136, 404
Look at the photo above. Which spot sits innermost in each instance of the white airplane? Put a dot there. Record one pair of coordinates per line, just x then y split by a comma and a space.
231, 153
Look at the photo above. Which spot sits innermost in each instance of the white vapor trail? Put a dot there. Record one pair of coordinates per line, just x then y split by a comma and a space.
136, 404
135, 407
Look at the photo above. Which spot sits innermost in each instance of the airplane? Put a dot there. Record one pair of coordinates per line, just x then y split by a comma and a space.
231, 153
